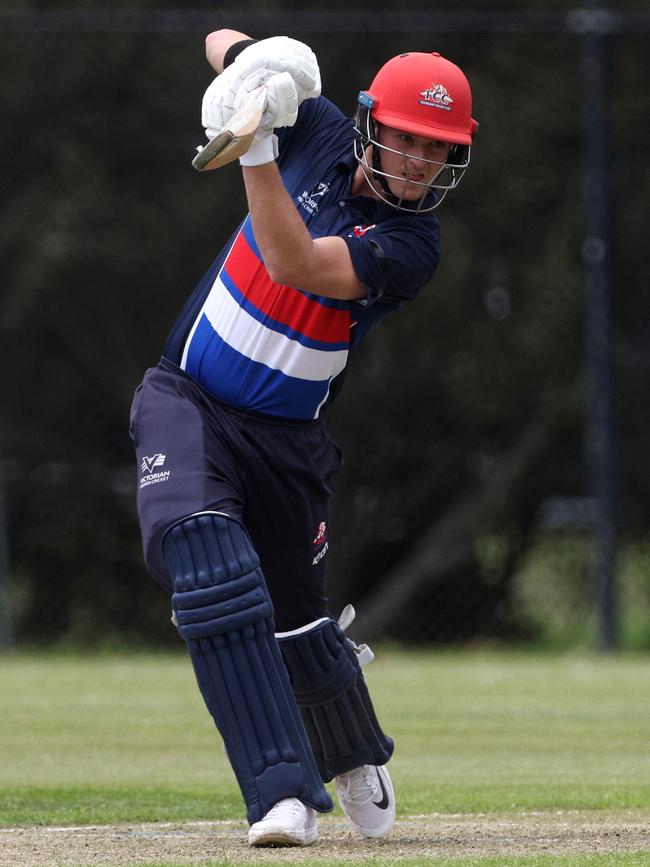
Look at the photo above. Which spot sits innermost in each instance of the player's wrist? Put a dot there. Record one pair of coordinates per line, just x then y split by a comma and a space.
262, 151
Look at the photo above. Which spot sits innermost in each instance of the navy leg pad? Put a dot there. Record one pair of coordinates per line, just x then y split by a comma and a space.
224, 613
333, 698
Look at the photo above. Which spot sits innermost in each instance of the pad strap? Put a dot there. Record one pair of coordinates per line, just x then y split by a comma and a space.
333, 698
224, 613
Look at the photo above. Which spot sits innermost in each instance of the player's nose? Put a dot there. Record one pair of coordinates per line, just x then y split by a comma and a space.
416, 161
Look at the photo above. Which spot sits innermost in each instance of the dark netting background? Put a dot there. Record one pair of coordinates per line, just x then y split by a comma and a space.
465, 510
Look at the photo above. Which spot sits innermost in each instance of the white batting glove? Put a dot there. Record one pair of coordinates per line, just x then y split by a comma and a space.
229, 92
255, 66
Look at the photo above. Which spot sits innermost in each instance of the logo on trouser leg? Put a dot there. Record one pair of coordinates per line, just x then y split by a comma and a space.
321, 539
147, 467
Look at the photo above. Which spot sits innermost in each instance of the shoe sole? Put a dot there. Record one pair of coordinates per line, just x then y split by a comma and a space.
278, 838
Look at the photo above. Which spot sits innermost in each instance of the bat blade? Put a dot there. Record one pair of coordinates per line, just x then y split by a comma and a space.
235, 138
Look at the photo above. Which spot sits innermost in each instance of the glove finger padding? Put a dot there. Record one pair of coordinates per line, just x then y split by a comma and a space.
281, 102
282, 54
218, 104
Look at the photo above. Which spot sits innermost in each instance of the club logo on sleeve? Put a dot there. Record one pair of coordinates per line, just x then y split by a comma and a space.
360, 231
150, 474
320, 541
437, 96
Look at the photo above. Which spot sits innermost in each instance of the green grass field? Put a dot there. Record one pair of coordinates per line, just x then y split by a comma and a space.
124, 739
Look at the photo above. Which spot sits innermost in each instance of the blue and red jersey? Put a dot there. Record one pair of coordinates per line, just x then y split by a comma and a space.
279, 350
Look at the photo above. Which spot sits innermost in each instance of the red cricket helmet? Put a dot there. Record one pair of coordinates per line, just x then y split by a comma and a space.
424, 94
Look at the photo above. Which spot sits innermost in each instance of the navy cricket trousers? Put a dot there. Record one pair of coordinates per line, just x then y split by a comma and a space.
273, 475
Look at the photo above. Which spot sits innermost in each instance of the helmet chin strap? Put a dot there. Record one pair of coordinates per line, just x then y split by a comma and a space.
370, 138
377, 170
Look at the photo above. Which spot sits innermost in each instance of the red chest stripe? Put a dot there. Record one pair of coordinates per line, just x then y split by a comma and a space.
283, 303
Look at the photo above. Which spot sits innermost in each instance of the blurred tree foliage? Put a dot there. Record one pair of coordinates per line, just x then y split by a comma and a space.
460, 415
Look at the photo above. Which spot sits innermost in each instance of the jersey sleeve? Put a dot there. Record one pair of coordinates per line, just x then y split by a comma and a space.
396, 258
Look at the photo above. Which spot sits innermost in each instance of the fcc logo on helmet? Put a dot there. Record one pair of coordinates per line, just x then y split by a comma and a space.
437, 96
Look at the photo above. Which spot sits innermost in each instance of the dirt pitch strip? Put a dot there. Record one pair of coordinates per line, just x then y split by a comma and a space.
430, 836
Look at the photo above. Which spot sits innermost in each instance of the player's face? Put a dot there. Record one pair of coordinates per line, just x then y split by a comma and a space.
413, 158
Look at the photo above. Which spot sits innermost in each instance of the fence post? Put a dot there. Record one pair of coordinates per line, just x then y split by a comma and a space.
6, 626
594, 23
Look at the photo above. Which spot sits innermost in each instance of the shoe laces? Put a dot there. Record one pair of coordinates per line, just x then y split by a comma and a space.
287, 807
360, 785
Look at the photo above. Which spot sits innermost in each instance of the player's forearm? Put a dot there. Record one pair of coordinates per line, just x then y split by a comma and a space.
291, 256
282, 237
218, 43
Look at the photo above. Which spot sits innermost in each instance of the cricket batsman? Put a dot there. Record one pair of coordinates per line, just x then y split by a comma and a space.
236, 466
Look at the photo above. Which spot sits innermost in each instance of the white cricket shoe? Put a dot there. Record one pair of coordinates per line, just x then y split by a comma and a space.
368, 800
288, 823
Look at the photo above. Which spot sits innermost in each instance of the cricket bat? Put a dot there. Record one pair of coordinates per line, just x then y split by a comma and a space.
236, 137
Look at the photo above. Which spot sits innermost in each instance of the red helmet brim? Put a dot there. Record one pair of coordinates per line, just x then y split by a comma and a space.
440, 133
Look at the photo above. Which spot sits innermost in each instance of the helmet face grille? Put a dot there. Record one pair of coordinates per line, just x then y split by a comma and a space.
446, 176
